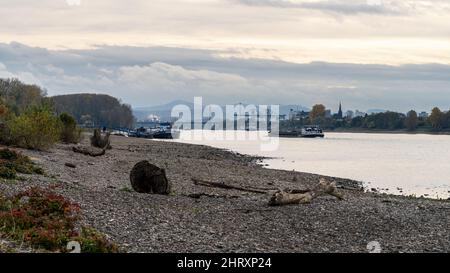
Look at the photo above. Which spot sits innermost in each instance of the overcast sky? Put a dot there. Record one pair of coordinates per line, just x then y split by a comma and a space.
391, 54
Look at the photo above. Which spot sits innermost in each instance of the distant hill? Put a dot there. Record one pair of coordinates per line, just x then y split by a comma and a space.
164, 111
96, 110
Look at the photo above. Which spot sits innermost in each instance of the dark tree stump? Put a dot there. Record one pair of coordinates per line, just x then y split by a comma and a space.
148, 178
100, 141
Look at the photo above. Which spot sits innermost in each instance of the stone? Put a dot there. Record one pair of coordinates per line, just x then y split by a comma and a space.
148, 178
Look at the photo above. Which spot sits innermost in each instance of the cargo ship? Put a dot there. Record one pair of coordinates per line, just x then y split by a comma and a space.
310, 131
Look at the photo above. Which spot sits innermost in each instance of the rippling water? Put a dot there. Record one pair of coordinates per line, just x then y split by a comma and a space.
395, 163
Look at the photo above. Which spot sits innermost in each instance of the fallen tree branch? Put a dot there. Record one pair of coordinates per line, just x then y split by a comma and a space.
90, 151
281, 198
224, 186
199, 195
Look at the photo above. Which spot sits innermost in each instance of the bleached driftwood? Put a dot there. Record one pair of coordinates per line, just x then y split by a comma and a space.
281, 198
225, 186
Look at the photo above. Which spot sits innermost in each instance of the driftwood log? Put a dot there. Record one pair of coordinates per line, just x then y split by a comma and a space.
70, 165
324, 187
225, 186
90, 151
281, 197
101, 141
148, 178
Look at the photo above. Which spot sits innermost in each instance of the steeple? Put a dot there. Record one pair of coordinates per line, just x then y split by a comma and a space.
340, 114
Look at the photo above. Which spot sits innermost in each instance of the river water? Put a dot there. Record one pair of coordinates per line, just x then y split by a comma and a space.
395, 163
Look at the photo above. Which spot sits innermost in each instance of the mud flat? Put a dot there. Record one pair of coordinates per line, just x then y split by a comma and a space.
196, 218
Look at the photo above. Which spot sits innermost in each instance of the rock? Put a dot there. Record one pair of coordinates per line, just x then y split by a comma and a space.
148, 178
70, 165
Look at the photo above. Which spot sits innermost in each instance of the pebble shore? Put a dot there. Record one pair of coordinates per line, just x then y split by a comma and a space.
203, 219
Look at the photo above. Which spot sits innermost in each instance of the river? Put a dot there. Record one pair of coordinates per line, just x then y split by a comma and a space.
405, 164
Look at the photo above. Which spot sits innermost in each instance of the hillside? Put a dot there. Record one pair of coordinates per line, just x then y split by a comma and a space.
95, 110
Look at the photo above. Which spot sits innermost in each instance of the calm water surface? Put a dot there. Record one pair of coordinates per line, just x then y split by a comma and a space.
395, 163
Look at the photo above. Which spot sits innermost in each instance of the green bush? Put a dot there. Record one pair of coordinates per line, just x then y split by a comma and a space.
70, 133
7, 173
37, 128
12, 162
92, 241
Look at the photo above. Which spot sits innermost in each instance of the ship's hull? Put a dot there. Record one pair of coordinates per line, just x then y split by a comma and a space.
166, 135
298, 135
313, 136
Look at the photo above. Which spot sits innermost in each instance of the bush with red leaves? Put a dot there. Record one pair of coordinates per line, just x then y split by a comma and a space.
47, 220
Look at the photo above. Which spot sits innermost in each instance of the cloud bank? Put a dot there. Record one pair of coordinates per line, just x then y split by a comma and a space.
144, 76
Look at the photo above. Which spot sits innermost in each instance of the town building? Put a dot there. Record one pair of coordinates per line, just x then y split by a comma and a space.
423, 115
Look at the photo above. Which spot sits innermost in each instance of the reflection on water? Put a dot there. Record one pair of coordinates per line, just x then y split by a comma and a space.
394, 163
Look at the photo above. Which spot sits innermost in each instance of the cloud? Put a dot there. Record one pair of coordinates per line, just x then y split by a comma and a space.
145, 76
4, 73
355, 7
335, 6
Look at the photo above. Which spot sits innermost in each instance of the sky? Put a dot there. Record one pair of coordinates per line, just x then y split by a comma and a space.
388, 54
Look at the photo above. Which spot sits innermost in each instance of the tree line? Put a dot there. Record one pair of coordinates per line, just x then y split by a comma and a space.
96, 110
437, 121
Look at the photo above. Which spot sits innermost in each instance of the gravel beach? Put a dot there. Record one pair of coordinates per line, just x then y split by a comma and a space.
224, 220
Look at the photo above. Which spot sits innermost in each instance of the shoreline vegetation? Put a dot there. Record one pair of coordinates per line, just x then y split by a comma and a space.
194, 217
437, 122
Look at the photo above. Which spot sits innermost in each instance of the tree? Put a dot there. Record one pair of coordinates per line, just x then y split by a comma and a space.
436, 118
446, 120
70, 133
37, 128
95, 109
318, 111
411, 120
18, 97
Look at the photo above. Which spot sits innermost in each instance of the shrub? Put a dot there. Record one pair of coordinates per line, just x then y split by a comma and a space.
92, 241
12, 162
7, 173
36, 129
70, 133
48, 221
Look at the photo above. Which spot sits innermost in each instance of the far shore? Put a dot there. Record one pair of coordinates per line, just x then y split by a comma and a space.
403, 132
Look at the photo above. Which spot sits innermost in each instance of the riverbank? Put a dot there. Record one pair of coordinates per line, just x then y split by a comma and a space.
373, 131
230, 220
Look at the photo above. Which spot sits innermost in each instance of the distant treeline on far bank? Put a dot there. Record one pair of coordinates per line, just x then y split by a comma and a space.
89, 110
437, 121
